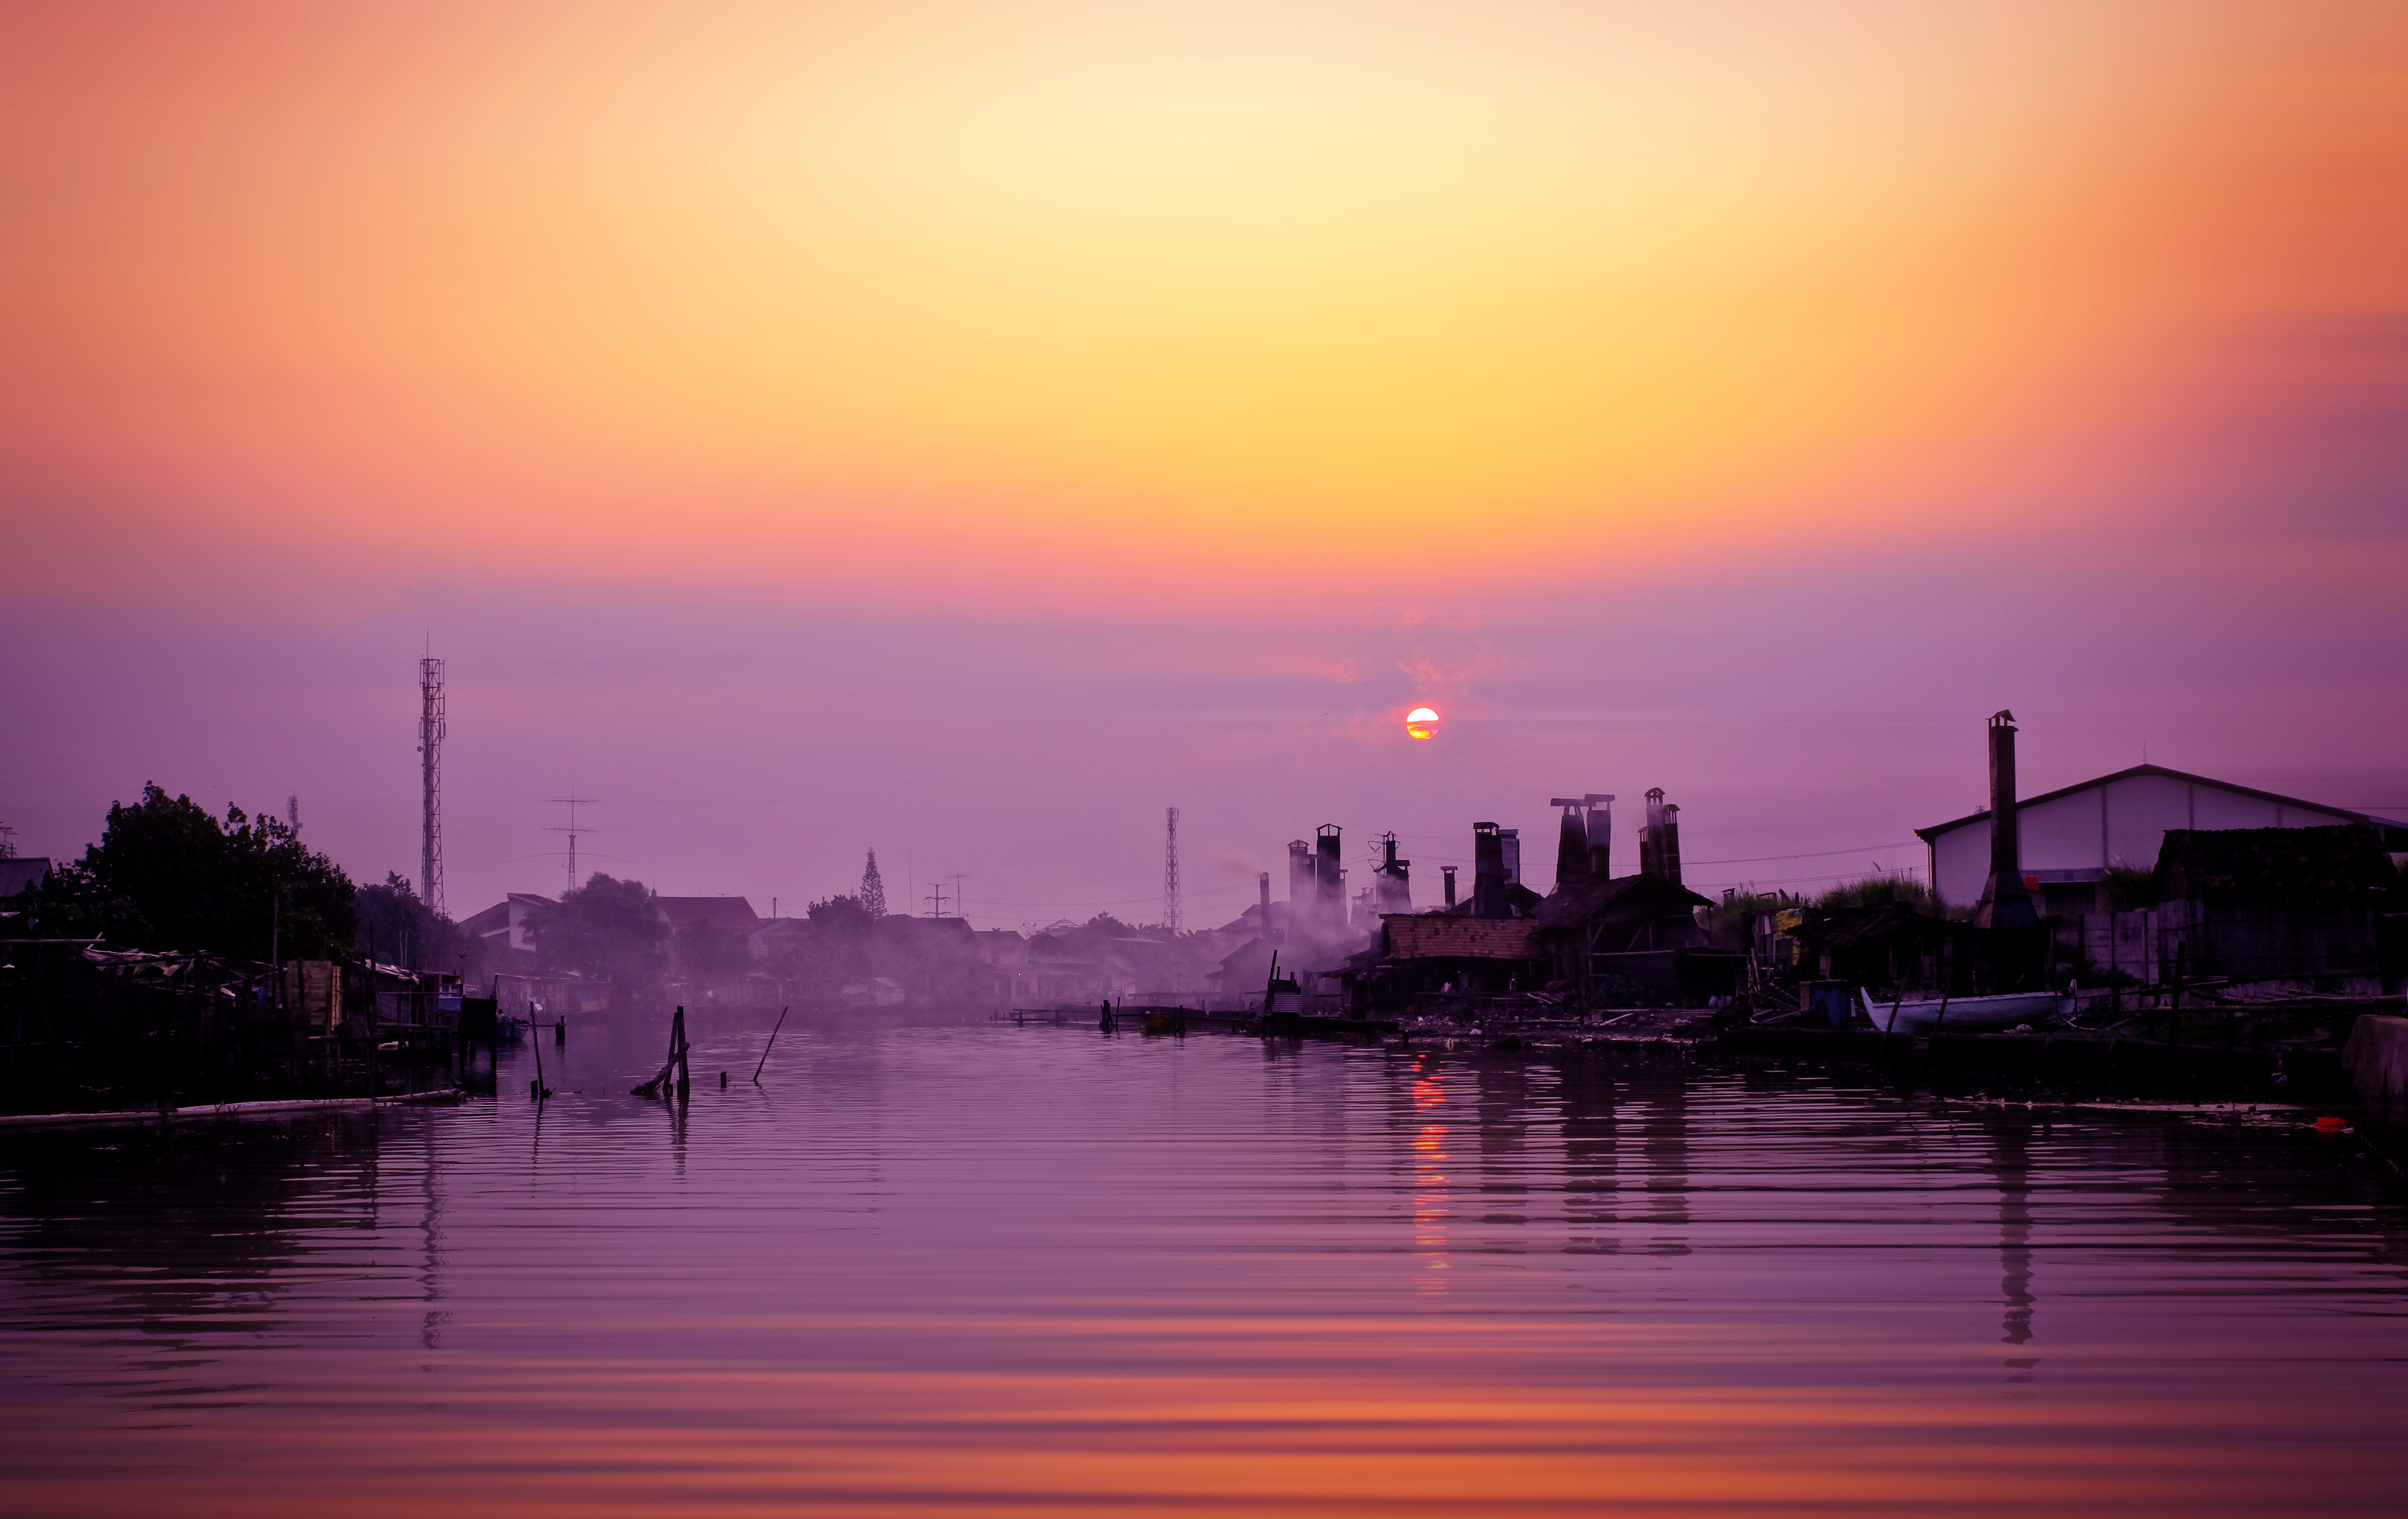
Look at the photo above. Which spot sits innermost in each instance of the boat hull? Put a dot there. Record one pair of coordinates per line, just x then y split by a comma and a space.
1967, 1013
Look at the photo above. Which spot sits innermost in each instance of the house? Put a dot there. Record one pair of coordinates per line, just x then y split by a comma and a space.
1597, 938
503, 929
733, 915
1440, 954
2276, 905
2068, 837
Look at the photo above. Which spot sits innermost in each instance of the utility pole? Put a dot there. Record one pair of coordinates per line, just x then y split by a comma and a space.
572, 828
431, 728
938, 897
1170, 870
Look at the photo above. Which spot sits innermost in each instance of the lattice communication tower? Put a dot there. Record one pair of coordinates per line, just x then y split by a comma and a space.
572, 828
431, 730
1170, 871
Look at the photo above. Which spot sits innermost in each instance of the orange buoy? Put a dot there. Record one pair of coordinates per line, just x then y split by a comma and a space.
2329, 1124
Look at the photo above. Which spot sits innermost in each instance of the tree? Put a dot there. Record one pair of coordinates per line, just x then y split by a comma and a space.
873, 889
399, 929
167, 875
841, 917
606, 927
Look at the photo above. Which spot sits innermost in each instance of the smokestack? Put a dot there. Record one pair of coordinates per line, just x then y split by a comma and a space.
1600, 834
1448, 872
1329, 880
2005, 903
1395, 881
1650, 835
1509, 845
1300, 886
1263, 918
1487, 871
1571, 841
1669, 859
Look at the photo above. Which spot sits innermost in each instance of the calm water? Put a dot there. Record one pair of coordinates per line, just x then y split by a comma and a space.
951, 1268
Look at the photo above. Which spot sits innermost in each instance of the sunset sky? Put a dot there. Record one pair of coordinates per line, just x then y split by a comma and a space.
965, 429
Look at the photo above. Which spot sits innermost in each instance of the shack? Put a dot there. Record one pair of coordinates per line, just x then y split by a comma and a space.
1439, 955
1612, 941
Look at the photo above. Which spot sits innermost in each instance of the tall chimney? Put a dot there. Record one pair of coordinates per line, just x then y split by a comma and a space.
2005, 903
1509, 848
1448, 872
1667, 858
1300, 886
1650, 835
1600, 834
1394, 881
1329, 880
1263, 918
1571, 841
1487, 871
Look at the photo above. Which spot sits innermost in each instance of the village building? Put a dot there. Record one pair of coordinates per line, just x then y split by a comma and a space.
2070, 837
1601, 940
502, 928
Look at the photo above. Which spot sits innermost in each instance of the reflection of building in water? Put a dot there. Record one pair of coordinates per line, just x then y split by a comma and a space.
1664, 1142
1600, 1197
1591, 1182
2011, 1165
1504, 1134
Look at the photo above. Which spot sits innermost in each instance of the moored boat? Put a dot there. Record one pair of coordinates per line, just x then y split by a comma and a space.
1919, 1016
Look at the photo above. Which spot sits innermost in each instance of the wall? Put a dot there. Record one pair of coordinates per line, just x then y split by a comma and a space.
2123, 823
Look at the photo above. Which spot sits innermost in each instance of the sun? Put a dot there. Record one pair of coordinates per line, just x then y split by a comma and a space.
1420, 722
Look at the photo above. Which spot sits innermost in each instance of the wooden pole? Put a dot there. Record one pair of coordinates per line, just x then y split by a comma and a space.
771, 1045
685, 1076
1893, 1021
538, 1093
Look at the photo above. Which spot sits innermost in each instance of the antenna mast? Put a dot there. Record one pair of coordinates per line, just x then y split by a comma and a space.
1170, 870
430, 769
572, 829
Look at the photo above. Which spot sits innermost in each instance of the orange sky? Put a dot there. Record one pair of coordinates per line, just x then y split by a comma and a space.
867, 295
1068, 410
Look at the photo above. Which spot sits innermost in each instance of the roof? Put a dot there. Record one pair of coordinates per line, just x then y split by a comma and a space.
2273, 865
20, 872
1636, 897
1439, 937
495, 918
727, 911
1927, 835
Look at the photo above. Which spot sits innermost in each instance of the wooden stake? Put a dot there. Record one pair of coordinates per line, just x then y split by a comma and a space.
771, 1045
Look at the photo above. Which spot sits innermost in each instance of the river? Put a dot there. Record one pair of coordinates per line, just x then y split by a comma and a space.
933, 1265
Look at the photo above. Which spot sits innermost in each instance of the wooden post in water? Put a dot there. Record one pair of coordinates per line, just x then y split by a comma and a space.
685, 1076
1898, 1002
771, 1045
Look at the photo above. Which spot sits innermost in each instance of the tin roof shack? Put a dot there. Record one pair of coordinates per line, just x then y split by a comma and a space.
1630, 941
2319, 905
1889, 945
1423, 956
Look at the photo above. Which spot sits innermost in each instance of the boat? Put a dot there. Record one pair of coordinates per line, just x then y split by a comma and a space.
509, 1028
1919, 1016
